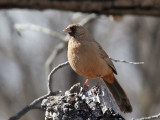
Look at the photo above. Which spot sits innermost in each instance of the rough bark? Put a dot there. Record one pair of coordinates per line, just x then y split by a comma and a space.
80, 105
114, 7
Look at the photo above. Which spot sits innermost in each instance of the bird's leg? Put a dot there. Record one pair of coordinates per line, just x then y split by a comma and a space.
85, 85
86, 82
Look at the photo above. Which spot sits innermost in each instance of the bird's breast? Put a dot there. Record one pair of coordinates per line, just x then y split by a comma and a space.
84, 59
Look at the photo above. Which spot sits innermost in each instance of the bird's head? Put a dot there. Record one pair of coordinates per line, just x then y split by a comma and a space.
75, 30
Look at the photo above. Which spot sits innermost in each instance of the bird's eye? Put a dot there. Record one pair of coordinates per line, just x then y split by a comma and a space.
73, 29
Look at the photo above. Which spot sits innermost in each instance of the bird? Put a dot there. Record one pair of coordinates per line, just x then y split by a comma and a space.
87, 58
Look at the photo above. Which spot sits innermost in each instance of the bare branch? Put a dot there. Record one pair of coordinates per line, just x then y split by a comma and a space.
135, 63
52, 72
155, 117
53, 33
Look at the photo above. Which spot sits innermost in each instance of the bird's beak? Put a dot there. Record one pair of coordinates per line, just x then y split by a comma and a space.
67, 30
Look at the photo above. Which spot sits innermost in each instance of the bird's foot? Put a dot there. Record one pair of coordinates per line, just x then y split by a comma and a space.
85, 88
86, 82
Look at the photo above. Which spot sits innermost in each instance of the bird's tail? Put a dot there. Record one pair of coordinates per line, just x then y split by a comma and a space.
119, 95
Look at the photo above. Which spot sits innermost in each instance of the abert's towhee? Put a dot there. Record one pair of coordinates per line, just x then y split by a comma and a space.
87, 58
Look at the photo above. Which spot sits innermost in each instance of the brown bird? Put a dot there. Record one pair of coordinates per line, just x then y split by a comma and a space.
87, 58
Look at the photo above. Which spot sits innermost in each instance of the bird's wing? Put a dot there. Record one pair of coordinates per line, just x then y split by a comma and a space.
106, 58
110, 63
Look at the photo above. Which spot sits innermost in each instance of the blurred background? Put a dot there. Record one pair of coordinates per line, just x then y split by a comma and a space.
23, 56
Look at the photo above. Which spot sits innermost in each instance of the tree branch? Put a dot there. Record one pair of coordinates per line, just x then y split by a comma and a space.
38, 100
52, 72
124, 61
45, 30
113, 7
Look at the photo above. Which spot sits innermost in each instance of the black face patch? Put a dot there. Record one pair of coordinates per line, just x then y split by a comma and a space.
73, 31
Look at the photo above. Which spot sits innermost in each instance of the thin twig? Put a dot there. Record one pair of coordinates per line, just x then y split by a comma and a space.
53, 33
135, 63
154, 117
38, 100
52, 72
